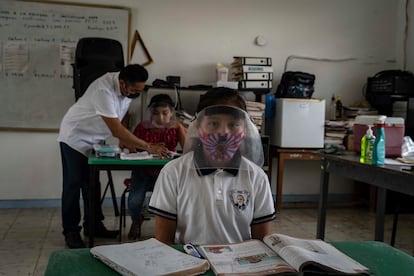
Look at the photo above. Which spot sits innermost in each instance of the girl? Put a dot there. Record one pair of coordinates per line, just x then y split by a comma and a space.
160, 128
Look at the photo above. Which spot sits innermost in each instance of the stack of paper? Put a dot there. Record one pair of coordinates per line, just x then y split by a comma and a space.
336, 131
256, 111
136, 155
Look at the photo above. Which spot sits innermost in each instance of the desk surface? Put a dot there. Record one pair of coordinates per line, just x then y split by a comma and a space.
380, 258
391, 177
93, 160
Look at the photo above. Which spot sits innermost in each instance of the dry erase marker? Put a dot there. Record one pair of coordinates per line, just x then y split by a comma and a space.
191, 250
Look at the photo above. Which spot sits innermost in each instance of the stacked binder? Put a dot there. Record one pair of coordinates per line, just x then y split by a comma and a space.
252, 73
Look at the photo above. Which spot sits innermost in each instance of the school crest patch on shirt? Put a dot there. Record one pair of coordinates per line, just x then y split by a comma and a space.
240, 199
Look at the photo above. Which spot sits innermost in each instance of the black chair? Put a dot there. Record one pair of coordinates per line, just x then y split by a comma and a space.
95, 56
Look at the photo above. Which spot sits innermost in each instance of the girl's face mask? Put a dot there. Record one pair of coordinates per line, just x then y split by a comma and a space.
221, 147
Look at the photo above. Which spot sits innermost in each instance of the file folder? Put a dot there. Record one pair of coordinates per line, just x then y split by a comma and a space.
244, 84
264, 61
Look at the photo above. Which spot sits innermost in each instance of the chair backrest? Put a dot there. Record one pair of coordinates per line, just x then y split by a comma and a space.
95, 56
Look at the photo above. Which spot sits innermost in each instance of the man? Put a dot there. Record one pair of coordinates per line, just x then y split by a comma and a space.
93, 118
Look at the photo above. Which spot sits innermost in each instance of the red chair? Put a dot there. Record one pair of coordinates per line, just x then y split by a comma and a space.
122, 217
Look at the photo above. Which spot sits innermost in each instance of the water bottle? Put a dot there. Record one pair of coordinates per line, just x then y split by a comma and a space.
332, 109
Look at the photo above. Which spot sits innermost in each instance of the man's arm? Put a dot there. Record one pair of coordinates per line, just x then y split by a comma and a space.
260, 230
130, 141
165, 229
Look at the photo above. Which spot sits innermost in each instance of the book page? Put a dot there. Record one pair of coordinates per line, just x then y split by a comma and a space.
244, 258
302, 252
149, 257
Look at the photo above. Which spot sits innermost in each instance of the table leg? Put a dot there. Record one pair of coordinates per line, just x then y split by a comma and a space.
270, 171
323, 198
92, 182
279, 182
380, 214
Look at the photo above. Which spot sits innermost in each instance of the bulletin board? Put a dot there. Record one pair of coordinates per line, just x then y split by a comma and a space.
37, 48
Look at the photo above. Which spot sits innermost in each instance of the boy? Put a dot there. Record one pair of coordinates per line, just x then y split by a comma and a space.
195, 198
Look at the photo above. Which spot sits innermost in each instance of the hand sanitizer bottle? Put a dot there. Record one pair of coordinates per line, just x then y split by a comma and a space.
378, 157
367, 146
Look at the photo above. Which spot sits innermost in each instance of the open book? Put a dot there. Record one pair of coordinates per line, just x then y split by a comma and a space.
149, 257
279, 254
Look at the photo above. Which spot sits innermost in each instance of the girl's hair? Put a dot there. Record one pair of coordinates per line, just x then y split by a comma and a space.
221, 96
161, 100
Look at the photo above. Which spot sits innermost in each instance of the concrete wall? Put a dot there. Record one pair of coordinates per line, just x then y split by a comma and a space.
341, 41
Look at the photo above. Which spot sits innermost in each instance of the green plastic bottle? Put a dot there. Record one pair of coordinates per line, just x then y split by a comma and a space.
367, 146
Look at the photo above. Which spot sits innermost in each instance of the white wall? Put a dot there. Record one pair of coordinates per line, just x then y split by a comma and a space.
188, 37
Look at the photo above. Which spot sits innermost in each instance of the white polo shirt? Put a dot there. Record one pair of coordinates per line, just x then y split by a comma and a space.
82, 125
206, 207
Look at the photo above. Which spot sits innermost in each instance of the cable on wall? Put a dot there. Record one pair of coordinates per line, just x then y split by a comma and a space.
289, 58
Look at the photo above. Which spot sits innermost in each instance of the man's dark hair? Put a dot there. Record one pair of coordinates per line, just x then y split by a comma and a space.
133, 73
221, 96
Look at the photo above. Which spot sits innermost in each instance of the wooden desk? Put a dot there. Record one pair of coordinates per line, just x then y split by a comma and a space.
383, 177
283, 154
112, 164
71, 262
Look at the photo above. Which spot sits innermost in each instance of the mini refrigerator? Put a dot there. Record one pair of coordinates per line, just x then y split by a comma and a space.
298, 123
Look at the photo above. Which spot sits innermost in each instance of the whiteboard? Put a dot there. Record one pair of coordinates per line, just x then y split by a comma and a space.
37, 48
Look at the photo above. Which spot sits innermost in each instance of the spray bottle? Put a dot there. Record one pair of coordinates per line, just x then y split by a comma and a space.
378, 157
367, 146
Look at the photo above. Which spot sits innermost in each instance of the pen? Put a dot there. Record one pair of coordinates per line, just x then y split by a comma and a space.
191, 250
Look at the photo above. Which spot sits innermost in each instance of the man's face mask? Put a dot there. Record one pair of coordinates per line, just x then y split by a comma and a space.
133, 96
132, 90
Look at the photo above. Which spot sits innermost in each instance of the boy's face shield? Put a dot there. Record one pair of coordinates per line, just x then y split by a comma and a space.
221, 135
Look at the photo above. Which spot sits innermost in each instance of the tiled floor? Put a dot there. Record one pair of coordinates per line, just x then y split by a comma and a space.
28, 236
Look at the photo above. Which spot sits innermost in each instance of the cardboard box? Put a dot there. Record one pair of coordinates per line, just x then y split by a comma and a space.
394, 133
298, 123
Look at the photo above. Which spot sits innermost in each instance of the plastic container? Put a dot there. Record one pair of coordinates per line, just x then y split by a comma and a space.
378, 157
367, 147
222, 72
106, 150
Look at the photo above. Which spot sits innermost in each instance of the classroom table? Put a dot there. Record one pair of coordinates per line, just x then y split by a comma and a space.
386, 177
97, 164
382, 260
283, 154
